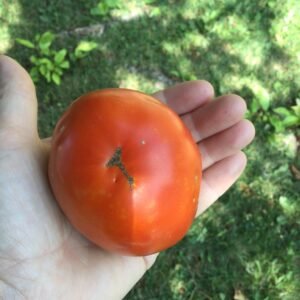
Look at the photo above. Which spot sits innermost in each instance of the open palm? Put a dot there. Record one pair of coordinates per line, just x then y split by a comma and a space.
41, 255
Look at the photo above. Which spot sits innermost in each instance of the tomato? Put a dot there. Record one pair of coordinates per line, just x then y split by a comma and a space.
125, 171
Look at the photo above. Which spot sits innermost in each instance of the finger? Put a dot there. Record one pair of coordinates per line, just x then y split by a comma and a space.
216, 116
218, 178
187, 96
226, 143
18, 104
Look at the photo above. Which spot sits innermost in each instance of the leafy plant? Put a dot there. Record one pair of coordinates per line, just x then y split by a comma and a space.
280, 118
47, 62
50, 63
104, 8
83, 48
283, 117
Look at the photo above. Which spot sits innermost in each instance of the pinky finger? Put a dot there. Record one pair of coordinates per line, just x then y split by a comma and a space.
218, 178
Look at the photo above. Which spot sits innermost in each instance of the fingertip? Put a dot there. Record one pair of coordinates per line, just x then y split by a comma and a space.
18, 104
251, 131
236, 103
207, 89
187, 96
242, 158
241, 133
234, 164
9, 66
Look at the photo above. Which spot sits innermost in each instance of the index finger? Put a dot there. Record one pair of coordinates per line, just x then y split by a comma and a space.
186, 96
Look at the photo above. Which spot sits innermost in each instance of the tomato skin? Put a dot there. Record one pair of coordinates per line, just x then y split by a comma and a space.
147, 203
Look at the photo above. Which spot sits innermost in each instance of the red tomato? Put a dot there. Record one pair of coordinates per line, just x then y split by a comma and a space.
125, 171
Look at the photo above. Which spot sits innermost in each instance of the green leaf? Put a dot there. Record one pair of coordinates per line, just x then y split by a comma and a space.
33, 59
34, 73
264, 103
222, 296
156, 11
94, 11
101, 9
43, 70
58, 71
248, 114
291, 121
46, 40
276, 123
47, 62
45, 52
286, 204
113, 3
48, 77
84, 47
56, 78
296, 110
60, 56
282, 111
277, 86
65, 65
104, 7
25, 43
262, 95
254, 106
37, 37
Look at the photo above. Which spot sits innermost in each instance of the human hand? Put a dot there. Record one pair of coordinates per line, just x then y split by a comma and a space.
41, 255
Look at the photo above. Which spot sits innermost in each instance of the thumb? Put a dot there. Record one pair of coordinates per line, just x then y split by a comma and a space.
18, 104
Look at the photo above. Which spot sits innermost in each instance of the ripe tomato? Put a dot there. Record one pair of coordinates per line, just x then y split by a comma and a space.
125, 171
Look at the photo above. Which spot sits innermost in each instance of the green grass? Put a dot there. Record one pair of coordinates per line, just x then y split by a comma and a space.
247, 245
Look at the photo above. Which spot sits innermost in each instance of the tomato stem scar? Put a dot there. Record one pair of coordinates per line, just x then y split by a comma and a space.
116, 161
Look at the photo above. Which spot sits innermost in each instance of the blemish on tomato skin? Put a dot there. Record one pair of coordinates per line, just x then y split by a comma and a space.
143, 142
116, 161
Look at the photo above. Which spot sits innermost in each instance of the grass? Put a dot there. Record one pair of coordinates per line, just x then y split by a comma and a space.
247, 246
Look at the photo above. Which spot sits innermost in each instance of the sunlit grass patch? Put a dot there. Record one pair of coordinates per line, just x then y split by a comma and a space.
10, 14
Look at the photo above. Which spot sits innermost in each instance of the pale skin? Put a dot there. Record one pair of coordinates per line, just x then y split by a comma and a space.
41, 255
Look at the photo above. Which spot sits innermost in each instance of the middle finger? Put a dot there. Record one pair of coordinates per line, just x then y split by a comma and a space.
226, 143
215, 116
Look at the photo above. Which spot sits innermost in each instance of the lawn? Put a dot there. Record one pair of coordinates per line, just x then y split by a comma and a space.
247, 246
